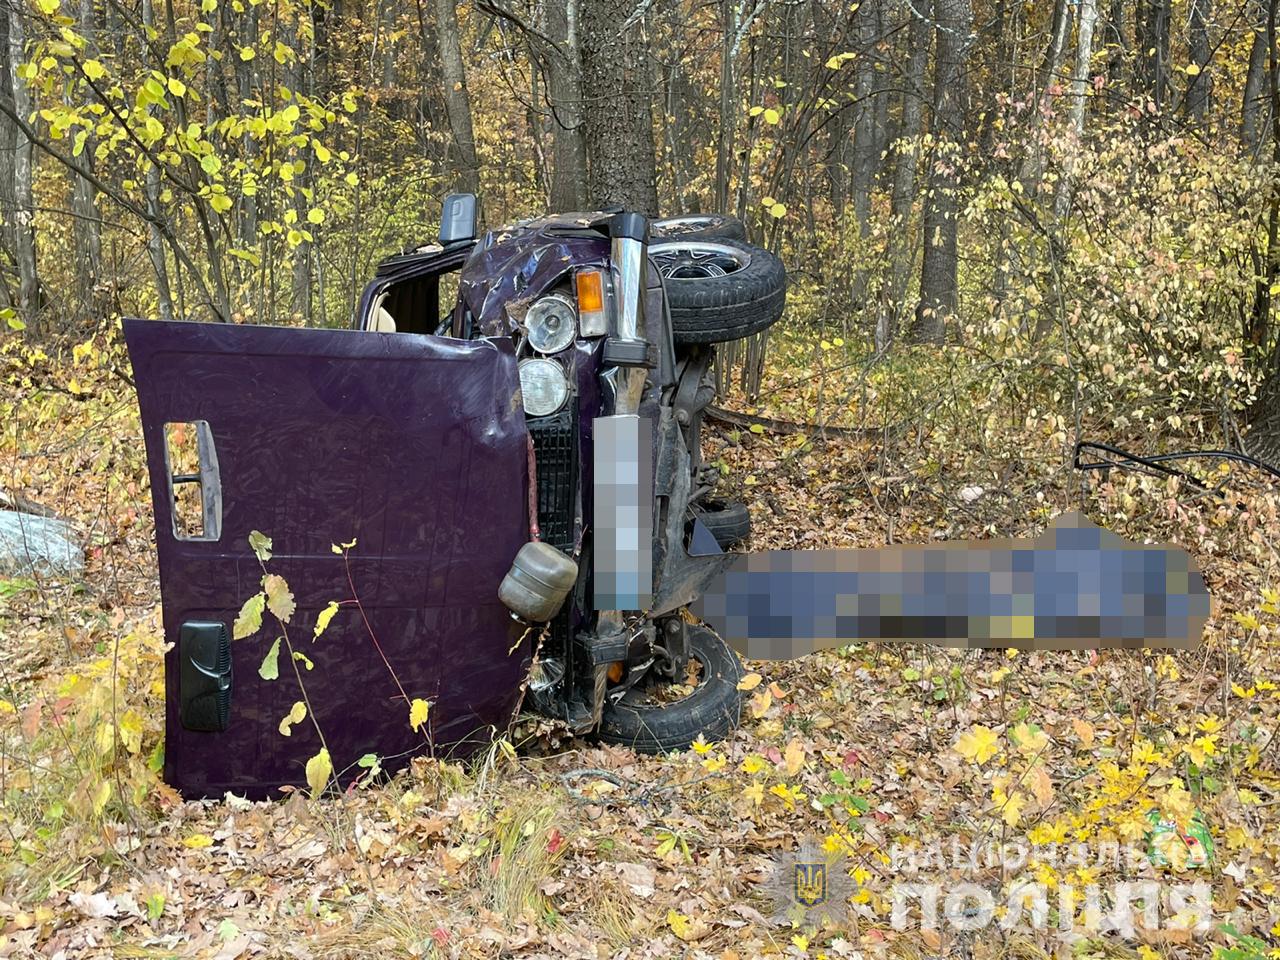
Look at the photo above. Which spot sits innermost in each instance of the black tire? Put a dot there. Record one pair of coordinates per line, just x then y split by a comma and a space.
728, 521
698, 226
712, 709
719, 290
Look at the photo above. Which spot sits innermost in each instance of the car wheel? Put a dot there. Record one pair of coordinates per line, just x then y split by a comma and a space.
719, 290
711, 708
698, 226
728, 521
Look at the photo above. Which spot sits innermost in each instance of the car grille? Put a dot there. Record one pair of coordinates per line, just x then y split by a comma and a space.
555, 445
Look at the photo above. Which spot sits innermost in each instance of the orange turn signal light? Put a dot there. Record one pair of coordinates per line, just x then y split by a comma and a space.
593, 303
590, 291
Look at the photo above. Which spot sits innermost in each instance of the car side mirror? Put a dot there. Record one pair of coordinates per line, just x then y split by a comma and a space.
458, 218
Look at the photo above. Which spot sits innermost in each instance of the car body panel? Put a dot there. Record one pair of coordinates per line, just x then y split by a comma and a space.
416, 448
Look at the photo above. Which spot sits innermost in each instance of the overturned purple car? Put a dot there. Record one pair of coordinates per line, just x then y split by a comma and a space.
515, 469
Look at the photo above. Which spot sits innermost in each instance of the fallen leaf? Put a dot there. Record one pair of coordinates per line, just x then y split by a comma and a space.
1084, 730
638, 877
94, 905
1041, 785
978, 744
793, 757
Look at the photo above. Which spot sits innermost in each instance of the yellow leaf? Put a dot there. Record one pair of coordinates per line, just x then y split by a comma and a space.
177, 87
131, 731
220, 202
978, 744
772, 116
681, 925
94, 70
750, 681
1028, 738
761, 703
47, 7
322, 621
7, 707
754, 793
418, 711
319, 770
297, 713
701, 747
1011, 809
1084, 730
198, 841
1041, 785
247, 53
793, 757
315, 215
101, 796
1192, 69
279, 598
778, 211
249, 620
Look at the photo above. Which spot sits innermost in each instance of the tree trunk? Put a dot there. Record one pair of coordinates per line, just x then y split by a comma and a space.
905, 170
729, 20
245, 75
1152, 42
457, 101
938, 282
866, 132
1119, 43
8, 146
87, 230
1253, 118
1050, 72
23, 213
151, 189
1200, 84
1079, 89
619, 117
302, 80
1263, 438
564, 94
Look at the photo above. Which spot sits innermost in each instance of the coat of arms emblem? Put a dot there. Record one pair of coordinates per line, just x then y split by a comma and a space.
810, 886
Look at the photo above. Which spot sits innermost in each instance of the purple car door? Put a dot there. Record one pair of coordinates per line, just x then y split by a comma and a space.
413, 447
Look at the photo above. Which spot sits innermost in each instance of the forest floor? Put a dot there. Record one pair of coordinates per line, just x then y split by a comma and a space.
568, 849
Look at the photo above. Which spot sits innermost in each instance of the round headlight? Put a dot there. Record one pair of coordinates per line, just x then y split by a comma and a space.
552, 324
543, 386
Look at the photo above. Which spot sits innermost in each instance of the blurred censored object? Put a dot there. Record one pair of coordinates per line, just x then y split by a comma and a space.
38, 545
1076, 586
